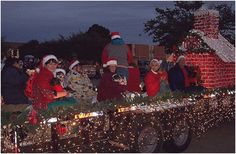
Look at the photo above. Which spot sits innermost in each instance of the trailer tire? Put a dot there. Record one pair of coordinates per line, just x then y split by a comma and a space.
180, 140
150, 134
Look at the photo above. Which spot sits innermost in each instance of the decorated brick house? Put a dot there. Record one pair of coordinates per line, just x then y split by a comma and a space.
205, 48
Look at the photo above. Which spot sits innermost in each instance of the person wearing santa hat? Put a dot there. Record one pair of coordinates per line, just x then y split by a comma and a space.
120, 51
58, 80
79, 83
178, 75
60, 74
43, 93
110, 86
152, 79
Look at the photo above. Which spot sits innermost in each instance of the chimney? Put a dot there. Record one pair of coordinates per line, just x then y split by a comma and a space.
207, 21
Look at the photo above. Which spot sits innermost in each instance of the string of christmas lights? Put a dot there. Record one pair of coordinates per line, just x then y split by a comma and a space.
115, 120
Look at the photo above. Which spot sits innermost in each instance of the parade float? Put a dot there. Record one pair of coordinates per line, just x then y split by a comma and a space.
136, 123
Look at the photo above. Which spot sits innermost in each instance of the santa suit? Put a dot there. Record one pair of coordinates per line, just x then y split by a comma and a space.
152, 82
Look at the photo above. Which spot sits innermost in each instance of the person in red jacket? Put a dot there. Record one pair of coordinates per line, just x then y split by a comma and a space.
111, 85
153, 78
134, 78
43, 93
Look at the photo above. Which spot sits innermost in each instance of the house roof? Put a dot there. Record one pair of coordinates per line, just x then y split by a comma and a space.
223, 48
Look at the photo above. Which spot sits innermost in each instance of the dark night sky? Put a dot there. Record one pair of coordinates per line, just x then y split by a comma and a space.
45, 20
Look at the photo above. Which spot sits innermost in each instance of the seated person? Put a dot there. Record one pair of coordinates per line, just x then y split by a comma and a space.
153, 78
42, 91
111, 85
60, 75
179, 77
79, 83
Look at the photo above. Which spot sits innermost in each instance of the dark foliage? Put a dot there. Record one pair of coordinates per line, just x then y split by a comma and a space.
171, 25
83, 45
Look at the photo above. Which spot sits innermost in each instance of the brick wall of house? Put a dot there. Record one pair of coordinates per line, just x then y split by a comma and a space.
214, 72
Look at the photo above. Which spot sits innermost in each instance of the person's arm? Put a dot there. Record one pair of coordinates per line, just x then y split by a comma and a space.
61, 94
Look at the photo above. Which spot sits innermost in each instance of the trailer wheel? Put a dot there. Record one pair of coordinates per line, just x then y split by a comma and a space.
148, 138
181, 139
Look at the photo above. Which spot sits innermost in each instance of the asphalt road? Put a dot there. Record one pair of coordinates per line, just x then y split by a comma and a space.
219, 139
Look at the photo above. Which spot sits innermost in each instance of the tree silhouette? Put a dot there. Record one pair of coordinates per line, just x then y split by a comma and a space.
171, 25
85, 46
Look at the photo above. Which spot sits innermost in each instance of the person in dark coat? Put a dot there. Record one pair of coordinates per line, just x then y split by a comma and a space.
177, 80
180, 78
13, 83
110, 86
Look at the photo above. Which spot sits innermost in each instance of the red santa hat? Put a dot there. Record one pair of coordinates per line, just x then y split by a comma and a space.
47, 58
59, 70
110, 61
73, 63
115, 35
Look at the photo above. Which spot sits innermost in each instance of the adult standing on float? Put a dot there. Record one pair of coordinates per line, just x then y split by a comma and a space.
118, 50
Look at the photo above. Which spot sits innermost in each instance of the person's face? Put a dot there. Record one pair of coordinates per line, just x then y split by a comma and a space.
17, 64
77, 68
182, 63
155, 66
51, 66
60, 76
112, 68
170, 58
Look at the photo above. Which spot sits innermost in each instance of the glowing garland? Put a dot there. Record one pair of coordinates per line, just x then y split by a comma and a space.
212, 105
